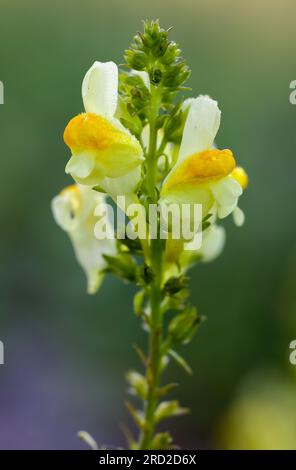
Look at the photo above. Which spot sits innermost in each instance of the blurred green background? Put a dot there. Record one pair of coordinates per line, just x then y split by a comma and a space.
66, 352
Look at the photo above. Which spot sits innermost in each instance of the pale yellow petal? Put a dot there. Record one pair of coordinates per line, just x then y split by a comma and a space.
112, 151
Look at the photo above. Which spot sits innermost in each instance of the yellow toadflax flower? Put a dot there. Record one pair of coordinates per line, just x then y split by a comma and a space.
204, 174
73, 210
102, 149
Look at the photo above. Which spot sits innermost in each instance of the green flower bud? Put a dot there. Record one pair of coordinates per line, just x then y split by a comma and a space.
184, 326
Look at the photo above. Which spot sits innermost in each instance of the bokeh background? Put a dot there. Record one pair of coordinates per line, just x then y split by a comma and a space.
66, 352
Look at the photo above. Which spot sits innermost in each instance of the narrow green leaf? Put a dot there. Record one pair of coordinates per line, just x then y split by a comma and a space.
162, 391
141, 355
167, 409
138, 302
207, 217
99, 189
122, 265
137, 415
180, 361
128, 436
205, 225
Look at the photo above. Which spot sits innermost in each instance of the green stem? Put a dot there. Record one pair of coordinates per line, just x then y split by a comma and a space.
154, 291
152, 149
155, 349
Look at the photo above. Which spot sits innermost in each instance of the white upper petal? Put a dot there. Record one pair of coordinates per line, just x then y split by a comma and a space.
201, 126
100, 89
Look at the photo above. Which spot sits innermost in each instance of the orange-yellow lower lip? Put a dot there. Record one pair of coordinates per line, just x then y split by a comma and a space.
100, 148
201, 167
88, 131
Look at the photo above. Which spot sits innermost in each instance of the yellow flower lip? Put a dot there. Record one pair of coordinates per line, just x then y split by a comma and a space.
240, 176
73, 195
200, 168
72, 189
89, 131
100, 148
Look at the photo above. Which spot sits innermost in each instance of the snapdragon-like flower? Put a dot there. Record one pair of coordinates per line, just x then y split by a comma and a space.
73, 210
104, 152
204, 174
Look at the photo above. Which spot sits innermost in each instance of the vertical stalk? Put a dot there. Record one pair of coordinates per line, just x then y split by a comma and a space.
154, 292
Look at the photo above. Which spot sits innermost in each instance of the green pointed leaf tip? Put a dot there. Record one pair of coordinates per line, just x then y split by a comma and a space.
162, 391
99, 189
141, 355
205, 225
123, 266
138, 302
136, 415
167, 409
180, 361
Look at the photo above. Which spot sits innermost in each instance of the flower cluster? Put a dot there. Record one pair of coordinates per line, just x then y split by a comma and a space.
138, 139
